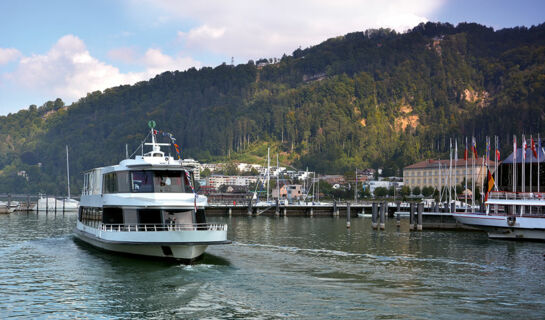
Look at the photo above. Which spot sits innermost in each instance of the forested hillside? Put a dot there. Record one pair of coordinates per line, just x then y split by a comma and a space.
367, 99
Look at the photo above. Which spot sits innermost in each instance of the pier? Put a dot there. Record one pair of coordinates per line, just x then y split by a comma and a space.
424, 216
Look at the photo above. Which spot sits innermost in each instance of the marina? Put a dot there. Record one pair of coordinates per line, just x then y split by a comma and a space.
277, 268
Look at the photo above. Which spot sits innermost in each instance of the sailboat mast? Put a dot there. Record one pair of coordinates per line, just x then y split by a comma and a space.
465, 190
277, 178
268, 172
67, 172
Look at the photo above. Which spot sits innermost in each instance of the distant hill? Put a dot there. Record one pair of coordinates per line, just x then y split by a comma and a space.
366, 99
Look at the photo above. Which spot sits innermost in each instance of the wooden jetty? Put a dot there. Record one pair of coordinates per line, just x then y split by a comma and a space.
424, 216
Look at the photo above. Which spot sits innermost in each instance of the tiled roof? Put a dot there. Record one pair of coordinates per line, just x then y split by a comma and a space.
432, 164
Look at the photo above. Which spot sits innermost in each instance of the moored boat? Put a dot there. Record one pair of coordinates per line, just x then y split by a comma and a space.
510, 215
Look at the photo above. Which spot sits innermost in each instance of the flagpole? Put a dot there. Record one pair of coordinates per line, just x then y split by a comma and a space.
515, 151
523, 150
455, 168
473, 174
450, 174
531, 162
465, 158
496, 162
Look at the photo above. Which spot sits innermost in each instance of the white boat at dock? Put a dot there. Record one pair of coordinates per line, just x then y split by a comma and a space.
146, 206
52, 204
8, 207
510, 215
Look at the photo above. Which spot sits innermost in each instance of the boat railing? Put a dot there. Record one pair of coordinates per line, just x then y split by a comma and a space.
504, 195
121, 227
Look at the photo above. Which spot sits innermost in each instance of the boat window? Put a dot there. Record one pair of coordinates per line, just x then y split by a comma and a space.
161, 181
169, 181
142, 181
110, 183
112, 215
150, 216
123, 184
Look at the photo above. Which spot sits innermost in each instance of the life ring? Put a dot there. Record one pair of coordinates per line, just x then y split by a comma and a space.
511, 220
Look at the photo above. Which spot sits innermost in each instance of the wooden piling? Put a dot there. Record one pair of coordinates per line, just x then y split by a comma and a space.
420, 210
383, 214
453, 207
46, 204
398, 219
348, 215
411, 217
374, 213
277, 209
27, 202
230, 211
250, 207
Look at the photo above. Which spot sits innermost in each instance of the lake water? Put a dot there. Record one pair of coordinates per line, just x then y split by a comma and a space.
305, 268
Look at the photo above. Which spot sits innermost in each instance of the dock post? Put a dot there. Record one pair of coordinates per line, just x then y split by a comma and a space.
277, 211
250, 207
63, 205
383, 209
398, 206
420, 210
55, 205
46, 204
27, 202
348, 215
411, 217
311, 213
285, 211
230, 211
9, 201
37, 204
374, 215
334, 207
398, 219
453, 207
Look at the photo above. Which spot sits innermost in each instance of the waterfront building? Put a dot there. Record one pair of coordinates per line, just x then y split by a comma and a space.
289, 191
215, 181
435, 173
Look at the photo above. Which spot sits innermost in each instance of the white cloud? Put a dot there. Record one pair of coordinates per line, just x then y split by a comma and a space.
8, 54
255, 29
69, 71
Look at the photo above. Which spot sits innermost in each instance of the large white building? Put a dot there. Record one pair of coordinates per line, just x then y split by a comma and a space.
436, 173
218, 180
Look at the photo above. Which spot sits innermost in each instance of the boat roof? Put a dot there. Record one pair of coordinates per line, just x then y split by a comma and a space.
155, 159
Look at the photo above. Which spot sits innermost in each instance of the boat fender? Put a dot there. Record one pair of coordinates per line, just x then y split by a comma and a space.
511, 220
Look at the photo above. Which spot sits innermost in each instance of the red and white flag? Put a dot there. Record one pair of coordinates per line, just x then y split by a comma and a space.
533, 147
524, 147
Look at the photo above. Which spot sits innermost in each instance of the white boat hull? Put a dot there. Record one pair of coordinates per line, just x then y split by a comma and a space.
504, 227
180, 245
52, 204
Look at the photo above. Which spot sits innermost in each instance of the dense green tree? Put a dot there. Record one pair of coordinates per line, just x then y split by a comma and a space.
373, 99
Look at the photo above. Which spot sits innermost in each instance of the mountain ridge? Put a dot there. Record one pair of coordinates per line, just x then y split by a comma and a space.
366, 99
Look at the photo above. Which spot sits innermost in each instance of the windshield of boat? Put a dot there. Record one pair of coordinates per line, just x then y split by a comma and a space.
160, 181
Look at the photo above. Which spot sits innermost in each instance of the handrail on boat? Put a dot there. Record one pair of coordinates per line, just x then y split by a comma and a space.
507, 195
121, 227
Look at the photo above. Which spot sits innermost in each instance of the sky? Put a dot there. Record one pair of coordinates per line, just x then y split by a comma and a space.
66, 49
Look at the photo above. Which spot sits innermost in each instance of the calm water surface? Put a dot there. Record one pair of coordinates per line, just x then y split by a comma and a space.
276, 268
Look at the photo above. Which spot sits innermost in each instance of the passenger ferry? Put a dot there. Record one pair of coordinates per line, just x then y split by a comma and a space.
146, 206
510, 215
